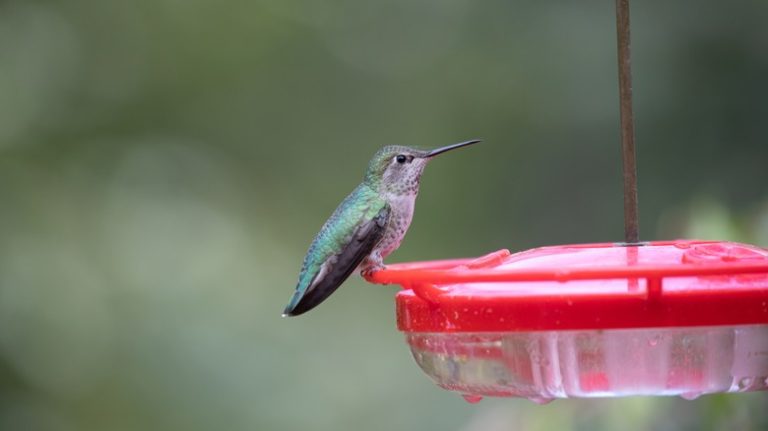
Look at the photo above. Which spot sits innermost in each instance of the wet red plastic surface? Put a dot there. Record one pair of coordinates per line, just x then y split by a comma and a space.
586, 286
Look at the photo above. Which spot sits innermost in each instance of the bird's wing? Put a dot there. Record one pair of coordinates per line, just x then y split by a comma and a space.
323, 273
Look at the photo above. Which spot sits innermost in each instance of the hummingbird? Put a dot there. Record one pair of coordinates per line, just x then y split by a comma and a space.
366, 227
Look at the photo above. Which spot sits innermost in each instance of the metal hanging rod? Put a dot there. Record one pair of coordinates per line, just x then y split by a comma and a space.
631, 226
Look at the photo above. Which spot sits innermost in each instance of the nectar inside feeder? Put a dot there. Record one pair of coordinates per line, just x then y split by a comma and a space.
663, 318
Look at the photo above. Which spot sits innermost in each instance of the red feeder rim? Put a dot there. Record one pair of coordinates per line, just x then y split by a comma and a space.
585, 286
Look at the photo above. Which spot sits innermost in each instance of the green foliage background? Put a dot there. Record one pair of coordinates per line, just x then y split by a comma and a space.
164, 164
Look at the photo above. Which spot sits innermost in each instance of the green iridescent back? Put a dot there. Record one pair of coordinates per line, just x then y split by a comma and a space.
361, 205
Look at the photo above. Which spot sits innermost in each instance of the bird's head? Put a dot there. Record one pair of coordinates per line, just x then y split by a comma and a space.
396, 169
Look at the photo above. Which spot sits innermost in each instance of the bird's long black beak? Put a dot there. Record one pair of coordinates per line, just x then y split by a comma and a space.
441, 150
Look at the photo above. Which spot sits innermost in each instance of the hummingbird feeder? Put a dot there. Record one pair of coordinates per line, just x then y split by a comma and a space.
678, 317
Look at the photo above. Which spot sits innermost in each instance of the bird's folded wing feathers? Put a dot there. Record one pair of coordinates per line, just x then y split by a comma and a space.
337, 267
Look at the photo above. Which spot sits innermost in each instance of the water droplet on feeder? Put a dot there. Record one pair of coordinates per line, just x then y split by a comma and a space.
745, 383
653, 341
690, 396
541, 400
472, 399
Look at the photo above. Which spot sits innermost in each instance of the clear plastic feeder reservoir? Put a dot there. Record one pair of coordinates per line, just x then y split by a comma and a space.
663, 318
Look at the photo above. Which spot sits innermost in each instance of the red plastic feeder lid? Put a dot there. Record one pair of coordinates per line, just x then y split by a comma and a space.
589, 286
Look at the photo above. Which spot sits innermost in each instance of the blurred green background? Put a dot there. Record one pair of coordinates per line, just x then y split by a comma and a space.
164, 165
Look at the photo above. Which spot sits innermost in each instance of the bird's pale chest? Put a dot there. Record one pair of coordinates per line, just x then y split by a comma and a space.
400, 219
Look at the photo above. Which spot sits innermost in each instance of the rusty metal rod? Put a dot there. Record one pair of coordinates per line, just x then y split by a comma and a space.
631, 227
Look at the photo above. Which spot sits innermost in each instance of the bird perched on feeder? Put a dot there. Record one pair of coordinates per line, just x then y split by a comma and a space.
368, 225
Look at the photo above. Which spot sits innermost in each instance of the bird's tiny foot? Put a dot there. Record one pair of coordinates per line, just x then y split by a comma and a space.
371, 264
368, 271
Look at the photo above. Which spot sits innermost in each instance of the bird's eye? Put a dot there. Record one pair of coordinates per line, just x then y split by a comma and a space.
401, 158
